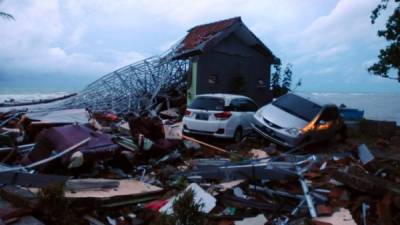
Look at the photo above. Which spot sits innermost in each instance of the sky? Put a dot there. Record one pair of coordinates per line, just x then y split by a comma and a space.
66, 44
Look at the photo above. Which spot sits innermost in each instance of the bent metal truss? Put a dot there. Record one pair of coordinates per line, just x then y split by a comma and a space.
134, 87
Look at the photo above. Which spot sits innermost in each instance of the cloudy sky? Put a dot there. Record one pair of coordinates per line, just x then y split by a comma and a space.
66, 44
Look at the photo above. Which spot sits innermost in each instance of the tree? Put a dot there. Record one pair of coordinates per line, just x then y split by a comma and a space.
389, 57
281, 82
276, 76
186, 212
287, 78
6, 15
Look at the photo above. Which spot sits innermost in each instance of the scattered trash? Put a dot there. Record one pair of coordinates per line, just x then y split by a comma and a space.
229, 185
365, 154
238, 192
258, 154
135, 168
341, 217
258, 220
364, 210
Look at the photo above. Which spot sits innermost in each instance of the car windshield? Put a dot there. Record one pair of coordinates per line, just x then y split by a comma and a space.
208, 103
297, 106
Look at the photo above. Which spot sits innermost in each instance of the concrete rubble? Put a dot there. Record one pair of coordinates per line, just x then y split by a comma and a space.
134, 168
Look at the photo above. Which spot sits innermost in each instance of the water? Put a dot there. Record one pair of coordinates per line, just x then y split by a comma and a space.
377, 106
23, 95
27, 95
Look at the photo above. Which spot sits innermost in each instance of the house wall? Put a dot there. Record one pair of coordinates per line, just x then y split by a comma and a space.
230, 60
192, 84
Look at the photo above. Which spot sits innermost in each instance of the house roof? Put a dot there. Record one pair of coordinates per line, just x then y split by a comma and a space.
202, 33
202, 37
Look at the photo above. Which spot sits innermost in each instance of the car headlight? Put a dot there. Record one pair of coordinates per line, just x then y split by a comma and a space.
258, 113
293, 131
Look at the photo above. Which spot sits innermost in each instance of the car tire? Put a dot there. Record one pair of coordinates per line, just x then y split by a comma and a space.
238, 135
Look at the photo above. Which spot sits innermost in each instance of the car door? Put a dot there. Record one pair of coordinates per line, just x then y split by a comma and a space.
236, 118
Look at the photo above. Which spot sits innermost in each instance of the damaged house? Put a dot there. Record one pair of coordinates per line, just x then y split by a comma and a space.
226, 57
219, 57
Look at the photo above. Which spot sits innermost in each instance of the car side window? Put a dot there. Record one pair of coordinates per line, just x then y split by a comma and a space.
235, 105
242, 105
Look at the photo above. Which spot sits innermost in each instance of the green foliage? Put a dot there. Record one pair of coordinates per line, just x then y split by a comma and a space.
276, 76
281, 83
181, 182
6, 16
186, 212
389, 57
287, 77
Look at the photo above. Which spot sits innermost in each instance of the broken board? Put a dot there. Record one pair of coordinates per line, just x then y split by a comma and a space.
125, 188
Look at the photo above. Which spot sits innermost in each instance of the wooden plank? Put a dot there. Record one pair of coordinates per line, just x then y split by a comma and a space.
126, 188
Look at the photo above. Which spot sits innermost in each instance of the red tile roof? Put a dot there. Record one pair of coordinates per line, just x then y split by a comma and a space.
199, 34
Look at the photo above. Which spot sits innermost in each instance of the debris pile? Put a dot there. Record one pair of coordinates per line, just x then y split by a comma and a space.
140, 169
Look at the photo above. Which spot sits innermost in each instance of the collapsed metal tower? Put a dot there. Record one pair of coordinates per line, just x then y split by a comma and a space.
134, 87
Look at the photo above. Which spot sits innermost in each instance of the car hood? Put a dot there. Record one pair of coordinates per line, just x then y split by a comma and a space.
281, 118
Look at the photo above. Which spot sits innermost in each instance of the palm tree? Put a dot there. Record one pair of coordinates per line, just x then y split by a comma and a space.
6, 15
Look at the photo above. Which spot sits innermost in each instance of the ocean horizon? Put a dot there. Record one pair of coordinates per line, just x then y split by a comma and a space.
376, 106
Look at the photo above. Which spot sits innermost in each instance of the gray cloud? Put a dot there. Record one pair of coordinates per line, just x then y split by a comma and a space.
87, 39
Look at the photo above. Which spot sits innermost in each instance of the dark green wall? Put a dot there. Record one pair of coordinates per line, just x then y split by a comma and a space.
238, 67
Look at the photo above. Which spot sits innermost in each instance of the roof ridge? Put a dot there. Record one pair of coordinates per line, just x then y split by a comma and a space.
238, 18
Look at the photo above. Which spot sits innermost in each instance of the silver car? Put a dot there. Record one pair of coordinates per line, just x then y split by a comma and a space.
294, 119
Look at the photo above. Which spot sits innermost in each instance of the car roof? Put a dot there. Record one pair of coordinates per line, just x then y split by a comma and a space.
319, 100
224, 96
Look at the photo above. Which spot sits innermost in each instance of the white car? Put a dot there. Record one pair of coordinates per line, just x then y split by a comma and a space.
220, 115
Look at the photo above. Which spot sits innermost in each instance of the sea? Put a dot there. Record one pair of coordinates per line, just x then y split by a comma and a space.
376, 106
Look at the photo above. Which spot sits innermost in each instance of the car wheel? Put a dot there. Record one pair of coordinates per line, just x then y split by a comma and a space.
237, 136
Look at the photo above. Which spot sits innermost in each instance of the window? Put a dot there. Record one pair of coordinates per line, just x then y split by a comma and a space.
242, 105
235, 105
260, 83
208, 103
212, 79
297, 106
